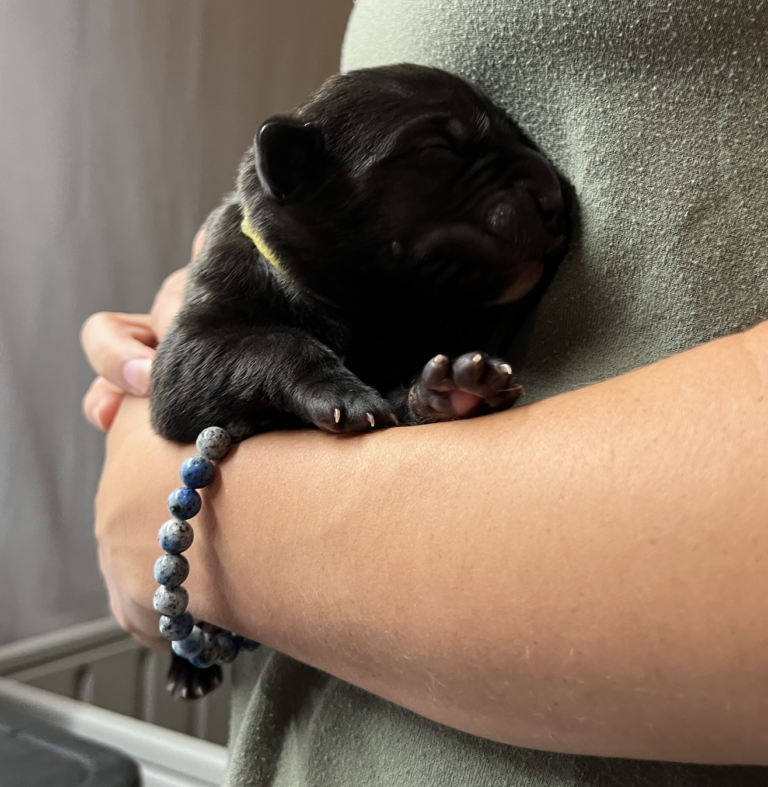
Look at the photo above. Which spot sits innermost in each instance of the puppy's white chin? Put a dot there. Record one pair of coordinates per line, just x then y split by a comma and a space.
528, 275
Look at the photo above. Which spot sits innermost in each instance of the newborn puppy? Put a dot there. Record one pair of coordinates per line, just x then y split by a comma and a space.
389, 220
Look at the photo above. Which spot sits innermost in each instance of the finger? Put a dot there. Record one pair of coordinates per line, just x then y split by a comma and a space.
138, 622
101, 403
168, 302
156, 644
197, 243
171, 294
120, 348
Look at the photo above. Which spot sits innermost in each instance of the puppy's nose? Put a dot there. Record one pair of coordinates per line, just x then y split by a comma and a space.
501, 221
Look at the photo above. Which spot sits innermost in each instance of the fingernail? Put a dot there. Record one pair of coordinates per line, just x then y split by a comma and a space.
97, 418
136, 375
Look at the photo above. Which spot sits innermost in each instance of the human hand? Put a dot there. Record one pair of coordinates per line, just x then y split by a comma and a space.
126, 524
121, 347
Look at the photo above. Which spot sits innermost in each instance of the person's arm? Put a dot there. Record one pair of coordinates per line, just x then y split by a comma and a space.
585, 574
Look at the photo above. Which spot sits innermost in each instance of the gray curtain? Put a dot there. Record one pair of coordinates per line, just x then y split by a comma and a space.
121, 124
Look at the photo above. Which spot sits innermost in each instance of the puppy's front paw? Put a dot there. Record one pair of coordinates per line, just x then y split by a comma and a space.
188, 682
348, 410
473, 384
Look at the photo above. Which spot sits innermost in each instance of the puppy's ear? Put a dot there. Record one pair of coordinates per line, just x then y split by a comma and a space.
290, 158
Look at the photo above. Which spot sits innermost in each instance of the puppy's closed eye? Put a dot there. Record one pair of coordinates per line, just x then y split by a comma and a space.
438, 151
437, 143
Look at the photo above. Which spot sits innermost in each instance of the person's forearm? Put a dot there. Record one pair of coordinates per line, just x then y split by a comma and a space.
586, 574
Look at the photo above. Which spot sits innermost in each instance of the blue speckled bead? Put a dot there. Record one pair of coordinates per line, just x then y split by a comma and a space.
175, 536
244, 643
197, 472
228, 648
176, 628
171, 570
184, 503
209, 654
213, 443
170, 602
189, 648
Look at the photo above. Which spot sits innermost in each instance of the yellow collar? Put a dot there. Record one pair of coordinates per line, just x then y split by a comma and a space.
247, 229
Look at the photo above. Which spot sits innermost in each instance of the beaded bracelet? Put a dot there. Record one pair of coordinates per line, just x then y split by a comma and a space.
202, 644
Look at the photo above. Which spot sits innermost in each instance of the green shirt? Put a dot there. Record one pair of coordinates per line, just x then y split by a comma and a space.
657, 114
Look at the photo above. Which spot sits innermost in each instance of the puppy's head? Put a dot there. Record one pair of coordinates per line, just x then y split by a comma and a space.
403, 181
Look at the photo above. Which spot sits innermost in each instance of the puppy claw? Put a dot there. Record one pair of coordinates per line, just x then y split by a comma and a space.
371, 420
505, 367
336, 414
477, 358
191, 692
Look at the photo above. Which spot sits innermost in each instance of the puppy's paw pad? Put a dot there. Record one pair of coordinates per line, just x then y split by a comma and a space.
473, 384
462, 403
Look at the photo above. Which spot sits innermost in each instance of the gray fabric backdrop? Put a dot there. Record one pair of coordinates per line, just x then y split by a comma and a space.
121, 124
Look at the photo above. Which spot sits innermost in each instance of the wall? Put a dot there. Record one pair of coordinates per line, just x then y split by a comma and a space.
121, 124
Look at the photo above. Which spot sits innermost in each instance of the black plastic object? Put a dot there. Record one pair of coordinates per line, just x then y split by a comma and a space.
36, 754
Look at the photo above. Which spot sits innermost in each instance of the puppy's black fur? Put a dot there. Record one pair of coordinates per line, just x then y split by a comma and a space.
405, 216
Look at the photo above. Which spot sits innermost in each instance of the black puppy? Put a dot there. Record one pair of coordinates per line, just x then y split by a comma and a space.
393, 216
